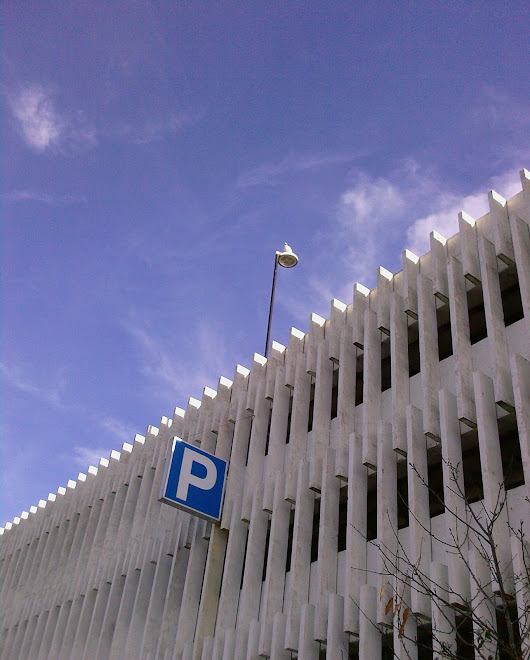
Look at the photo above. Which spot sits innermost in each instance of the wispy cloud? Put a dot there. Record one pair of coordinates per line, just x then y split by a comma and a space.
445, 219
39, 122
43, 125
45, 198
496, 106
115, 433
271, 174
118, 430
375, 218
52, 395
206, 360
85, 456
154, 128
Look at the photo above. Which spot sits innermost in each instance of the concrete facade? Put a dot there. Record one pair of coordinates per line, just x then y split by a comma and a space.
344, 448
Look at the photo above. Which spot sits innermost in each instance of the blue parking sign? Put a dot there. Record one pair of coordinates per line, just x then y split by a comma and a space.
194, 481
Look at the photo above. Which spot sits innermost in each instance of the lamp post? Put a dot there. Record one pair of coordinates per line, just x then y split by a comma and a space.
286, 259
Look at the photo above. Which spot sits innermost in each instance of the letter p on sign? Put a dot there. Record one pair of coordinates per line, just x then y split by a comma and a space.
193, 481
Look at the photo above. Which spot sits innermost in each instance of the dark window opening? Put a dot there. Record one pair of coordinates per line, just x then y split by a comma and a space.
353, 649
464, 637
359, 379
316, 531
311, 406
512, 305
385, 365
343, 519
445, 340
249, 436
371, 507
290, 543
477, 314
387, 646
244, 562
424, 642
266, 554
474, 490
512, 464
289, 416
335, 392
436, 484
507, 651
268, 432
402, 495
414, 349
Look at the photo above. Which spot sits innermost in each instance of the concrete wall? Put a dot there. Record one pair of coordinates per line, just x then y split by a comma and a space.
101, 569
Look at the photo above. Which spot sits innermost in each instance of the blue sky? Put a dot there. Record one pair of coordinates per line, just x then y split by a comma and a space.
156, 154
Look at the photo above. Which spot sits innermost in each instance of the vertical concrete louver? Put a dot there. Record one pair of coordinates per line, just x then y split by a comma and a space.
342, 450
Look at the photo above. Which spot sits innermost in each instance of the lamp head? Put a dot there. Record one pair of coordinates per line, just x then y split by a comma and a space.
287, 258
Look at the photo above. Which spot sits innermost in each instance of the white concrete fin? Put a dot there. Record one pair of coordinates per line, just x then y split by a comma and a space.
1, 531
127, 447
92, 470
71, 484
104, 462
16, 520
42, 504
115, 455
81, 476
260, 359
194, 403
164, 421
498, 198
33, 509
411, 257
209, 392
318, 320
61, 490
385, 273
225, 382
24, 515
152, 430
243, 371
467, 218
438, 237
139, 438
279, 348
525, 182
338, 305
179, 412
52, 497
9, 525
294, 332
361, 289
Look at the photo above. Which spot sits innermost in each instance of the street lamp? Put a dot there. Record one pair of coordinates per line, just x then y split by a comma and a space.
286, 259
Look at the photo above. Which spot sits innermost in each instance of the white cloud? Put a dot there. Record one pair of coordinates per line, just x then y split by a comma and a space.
35, 112
369, 201
45, 198
154, 129
86, 456
375, 218
205, 361
44, 126
272, 174
50, 394
117, 429
445, 219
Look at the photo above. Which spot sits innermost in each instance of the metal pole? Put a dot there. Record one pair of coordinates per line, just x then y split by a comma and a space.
271, 305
